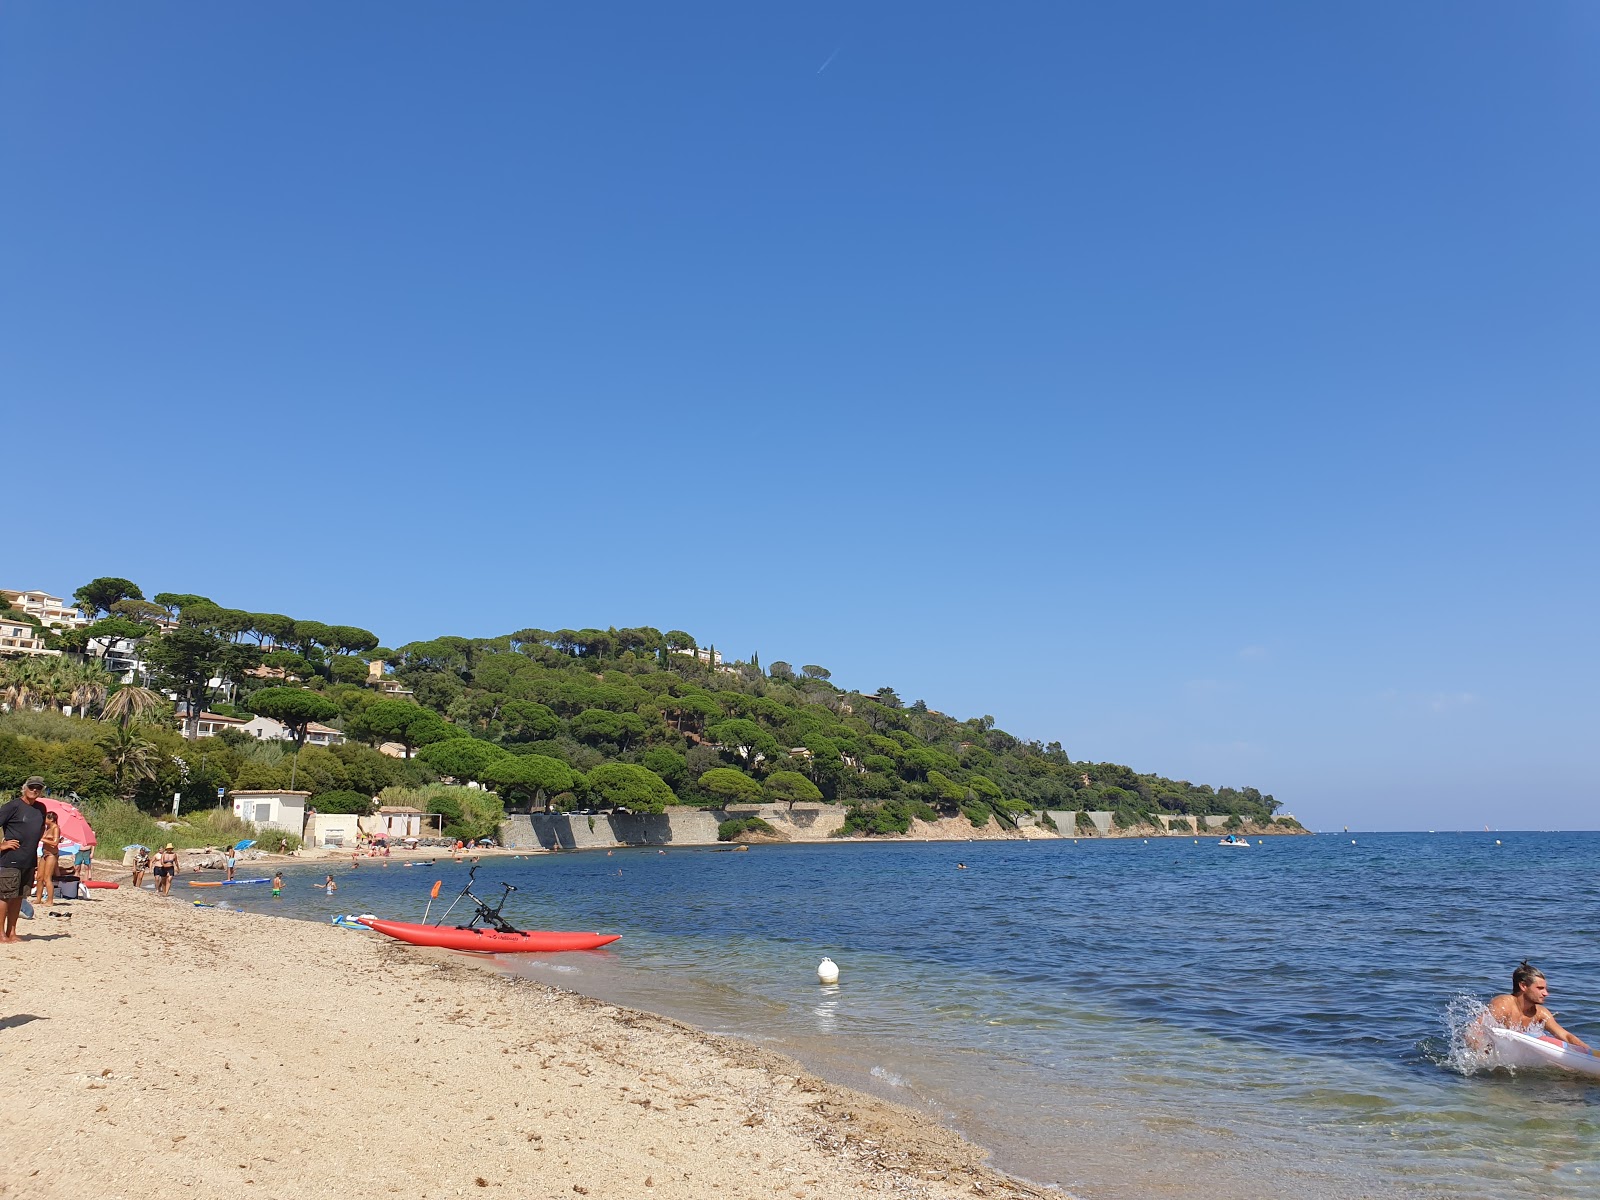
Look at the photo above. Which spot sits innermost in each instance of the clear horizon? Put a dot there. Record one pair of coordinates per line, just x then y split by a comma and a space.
1210, 390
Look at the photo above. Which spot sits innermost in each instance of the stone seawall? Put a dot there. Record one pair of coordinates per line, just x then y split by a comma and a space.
804, 823
675, 827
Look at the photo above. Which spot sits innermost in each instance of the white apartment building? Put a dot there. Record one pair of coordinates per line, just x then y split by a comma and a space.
18, 637
52, 610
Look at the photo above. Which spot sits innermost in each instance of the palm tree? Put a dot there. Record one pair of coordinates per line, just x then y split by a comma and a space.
130, 758
89, 682
24, 684
133, 705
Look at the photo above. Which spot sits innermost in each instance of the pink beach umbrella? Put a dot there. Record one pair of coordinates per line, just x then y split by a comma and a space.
74, 824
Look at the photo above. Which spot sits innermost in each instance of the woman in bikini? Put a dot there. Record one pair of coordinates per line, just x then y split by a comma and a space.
166, 868
44, 883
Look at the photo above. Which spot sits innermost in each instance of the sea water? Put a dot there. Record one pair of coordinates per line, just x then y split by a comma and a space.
1119, 1018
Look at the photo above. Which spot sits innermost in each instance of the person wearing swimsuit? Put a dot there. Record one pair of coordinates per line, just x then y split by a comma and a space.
1523, 1007
166, 868
44, 884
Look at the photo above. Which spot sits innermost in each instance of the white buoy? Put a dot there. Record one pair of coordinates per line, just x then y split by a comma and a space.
1497, 841
827, 971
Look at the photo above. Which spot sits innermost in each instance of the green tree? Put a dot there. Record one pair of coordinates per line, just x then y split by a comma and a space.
537, 776
668, 764
732, 787
623, 785
184, 660
597, 725
790, 787
296, 708
528, 721
463, 758
98, 595
812, 671
400, 721
129, 758
745, 738
133, 705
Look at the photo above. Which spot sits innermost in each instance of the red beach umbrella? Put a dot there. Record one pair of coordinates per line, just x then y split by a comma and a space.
74, 824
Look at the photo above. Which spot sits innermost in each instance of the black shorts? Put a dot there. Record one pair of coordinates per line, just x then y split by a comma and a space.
163, 872
15, 882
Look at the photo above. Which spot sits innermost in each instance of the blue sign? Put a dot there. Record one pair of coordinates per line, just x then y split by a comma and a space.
221, 792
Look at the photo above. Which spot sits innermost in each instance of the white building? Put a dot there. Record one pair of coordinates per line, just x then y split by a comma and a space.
52, 610
267, 729
209, 724
18, 637
272, 810
399, 821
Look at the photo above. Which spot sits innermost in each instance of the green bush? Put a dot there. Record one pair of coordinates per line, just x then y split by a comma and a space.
1233, 822
890, 817
729, 830
1086, 823
1288, 823
1048, 821
342, 801
977, 812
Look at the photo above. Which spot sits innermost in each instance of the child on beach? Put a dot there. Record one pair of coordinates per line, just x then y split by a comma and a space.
330, 886
44, 884
277, 883
232, 860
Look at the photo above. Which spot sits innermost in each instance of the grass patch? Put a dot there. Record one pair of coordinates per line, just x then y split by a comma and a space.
117, 824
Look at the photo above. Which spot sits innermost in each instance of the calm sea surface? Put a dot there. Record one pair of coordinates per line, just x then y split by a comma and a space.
1124, 1019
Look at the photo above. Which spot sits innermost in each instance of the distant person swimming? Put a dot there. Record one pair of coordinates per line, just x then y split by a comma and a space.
1523, 1007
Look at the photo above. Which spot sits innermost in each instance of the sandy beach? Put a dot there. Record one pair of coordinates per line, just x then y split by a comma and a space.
158, 1046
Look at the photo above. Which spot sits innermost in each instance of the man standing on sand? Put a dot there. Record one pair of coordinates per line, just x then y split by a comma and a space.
1523, 1007
21, 826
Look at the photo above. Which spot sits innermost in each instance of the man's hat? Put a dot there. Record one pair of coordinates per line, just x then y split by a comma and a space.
35, 781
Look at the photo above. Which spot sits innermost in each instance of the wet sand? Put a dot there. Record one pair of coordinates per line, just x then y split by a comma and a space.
158, 1047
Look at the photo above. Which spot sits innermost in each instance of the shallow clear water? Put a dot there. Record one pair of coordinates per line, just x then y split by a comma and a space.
1119, 1017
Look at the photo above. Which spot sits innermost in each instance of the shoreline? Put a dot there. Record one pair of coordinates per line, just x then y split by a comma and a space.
218, 1049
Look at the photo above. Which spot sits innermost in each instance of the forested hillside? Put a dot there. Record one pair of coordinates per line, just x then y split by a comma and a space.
632, 718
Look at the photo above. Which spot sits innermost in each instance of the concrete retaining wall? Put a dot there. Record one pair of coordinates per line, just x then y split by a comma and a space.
675, 827
1067, 823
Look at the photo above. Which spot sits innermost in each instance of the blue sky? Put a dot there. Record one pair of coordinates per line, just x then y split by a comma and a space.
1208, 387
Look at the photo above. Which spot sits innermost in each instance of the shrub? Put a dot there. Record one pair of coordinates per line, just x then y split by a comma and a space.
1234, 822
729, 830
1085, 822
342, 801
889, 817
1288, 823
977, 812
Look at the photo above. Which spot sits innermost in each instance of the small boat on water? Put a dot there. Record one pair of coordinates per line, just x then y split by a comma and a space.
1232, 839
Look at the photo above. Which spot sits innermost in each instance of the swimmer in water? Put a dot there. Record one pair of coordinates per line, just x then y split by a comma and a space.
1523, 1007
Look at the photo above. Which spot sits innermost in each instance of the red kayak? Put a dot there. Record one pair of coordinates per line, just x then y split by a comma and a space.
488, 941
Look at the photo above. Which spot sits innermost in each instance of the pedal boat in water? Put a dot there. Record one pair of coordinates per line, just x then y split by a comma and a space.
489, 941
